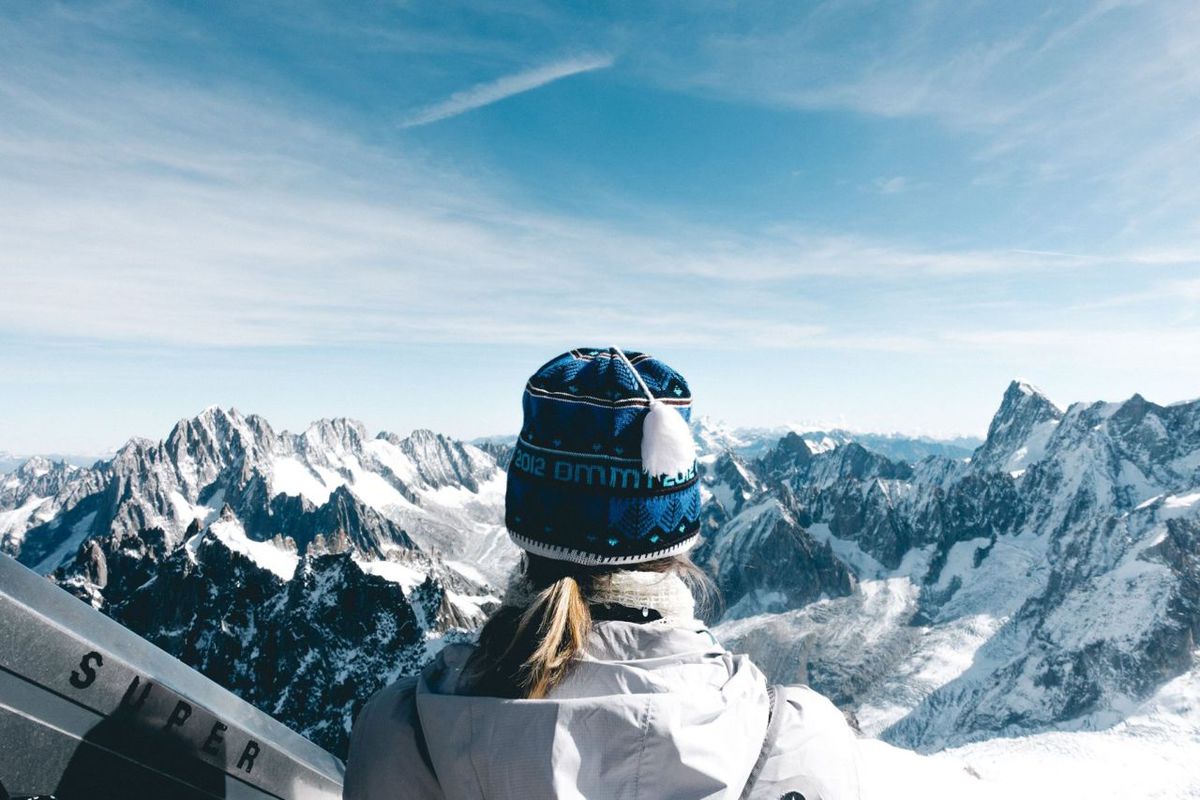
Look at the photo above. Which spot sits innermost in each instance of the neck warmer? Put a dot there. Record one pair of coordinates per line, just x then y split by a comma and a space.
664, 592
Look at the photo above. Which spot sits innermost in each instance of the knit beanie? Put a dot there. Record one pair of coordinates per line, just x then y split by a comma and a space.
578, 485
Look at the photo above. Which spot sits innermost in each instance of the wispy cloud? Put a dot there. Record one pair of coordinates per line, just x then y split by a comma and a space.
143, 213
232, 223
485, 94
892, 185
1088, 95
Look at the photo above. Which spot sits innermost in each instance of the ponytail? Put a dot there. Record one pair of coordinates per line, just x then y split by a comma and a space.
561, 617
526, 652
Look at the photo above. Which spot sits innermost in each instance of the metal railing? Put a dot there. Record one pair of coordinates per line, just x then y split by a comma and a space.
89, 709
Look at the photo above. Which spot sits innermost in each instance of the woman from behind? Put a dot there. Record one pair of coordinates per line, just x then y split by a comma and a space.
595, 678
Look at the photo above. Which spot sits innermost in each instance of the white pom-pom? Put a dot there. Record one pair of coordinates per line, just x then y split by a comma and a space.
667, 444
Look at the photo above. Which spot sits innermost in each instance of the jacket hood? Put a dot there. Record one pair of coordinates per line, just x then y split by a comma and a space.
651, 711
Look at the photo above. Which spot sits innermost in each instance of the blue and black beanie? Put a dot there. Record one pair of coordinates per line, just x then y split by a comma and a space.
604, 471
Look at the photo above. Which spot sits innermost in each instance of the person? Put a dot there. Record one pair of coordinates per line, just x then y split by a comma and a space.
594, 678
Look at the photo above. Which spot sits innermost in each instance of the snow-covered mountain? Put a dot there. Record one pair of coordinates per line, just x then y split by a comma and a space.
714, 437
36, 493
10, 462
1050, 582
300, 570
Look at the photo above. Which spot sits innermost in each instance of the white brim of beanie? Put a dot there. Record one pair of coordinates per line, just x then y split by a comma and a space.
594, 560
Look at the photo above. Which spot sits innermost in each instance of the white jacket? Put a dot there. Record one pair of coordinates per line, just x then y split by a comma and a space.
651, 712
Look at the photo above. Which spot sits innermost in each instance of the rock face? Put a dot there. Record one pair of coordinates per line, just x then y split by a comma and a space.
1103, 611
305, 649
757, 547
1020, 430
1051, 580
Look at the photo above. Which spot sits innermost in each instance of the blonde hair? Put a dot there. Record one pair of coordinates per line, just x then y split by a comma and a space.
525, 653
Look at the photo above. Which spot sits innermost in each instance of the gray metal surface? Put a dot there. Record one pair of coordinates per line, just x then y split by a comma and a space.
90, 709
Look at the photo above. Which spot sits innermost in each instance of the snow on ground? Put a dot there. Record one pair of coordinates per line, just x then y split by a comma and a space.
1136, 484
289, 476
1048, 766
471, 604
185, 512
1141, 589
867, 631
266, 554
938, 656
79, 531
1083, 766
891, 773
959, 562
489, 497
1154, 754
821, 445
316, 483
492, 556
408, 577
1178, 505
743, 524
1052, 766
376, 492
16, 521
468, 571
849, 553
1013, 569
392, 457
477, 539
1034, 448
721, 492
872, 627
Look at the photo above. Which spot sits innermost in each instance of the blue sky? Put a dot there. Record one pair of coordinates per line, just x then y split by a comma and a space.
871, 215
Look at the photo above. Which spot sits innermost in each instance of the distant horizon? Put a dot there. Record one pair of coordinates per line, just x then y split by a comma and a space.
796, 427
871, 216
799, 427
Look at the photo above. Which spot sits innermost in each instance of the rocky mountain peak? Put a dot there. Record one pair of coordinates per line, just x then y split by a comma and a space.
35, 467
1019, 430
340, 434
1157, 443
854, 461
216, 415
132, 450
422, 438
216, 424
1022, 402
711, 436
37, 477
730, 484
442, 461
214, 439
790, 456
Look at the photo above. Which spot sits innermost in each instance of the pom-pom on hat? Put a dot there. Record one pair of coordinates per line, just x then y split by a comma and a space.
604, 471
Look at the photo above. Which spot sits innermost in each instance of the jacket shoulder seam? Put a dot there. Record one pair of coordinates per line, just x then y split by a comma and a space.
637, 775
770, 733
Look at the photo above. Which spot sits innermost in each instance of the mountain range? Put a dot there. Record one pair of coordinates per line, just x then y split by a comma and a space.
301, 571
1047, 579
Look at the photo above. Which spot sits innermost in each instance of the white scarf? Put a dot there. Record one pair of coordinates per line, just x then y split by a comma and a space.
664, 592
